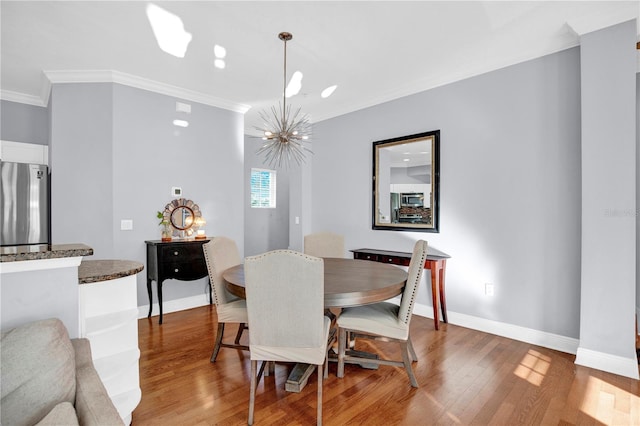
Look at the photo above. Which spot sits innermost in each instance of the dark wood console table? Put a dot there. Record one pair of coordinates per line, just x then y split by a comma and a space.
180, 260
436, 262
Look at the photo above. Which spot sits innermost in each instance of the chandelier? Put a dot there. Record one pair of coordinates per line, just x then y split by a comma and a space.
284, 132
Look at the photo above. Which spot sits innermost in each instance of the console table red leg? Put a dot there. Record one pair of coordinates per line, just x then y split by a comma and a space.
437, 269
443, 299
433, 268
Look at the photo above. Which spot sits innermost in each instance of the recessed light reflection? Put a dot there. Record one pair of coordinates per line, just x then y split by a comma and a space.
219, 51
294, 86
328, 91
406, 159
219, 63
168, 30
181, 123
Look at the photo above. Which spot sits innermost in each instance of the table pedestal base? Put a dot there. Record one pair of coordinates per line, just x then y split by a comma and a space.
300, 374
298, 377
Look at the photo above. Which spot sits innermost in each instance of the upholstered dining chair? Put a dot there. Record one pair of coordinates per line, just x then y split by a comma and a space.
385, 321
324, 244
220, 254
285, 303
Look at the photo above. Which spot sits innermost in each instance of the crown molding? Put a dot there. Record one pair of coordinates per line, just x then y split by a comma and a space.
425, 84
113, 76
591, 23
8, 95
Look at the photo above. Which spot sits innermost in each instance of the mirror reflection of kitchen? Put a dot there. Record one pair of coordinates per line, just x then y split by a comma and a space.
406, 183
410, 183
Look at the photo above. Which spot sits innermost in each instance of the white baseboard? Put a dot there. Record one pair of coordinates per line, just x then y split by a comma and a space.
175, 305
536, 337
627, 367
515, 332
588, 358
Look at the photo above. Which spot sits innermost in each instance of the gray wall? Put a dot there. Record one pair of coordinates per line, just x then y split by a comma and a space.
116, 155
264, 229
510, 188
300, 201
608, 190
81, 152
24, 123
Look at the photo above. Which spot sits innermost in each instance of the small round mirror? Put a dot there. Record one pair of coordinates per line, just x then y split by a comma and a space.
182, 218
183, 214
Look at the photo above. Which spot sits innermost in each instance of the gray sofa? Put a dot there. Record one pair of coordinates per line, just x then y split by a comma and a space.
49, 379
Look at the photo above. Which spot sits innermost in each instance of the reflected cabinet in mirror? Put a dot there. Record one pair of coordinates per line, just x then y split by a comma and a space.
406, 183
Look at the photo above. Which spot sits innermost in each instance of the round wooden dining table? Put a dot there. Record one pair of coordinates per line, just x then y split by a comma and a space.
347, 282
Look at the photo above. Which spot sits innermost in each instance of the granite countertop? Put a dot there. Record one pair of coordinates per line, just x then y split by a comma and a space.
91, 271
43, 251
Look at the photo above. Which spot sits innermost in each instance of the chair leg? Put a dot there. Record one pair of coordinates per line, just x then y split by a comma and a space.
271, 368
406, 359
342, 343
351, 340
261, 370
252, 391
216, 347
320, 385
414, 357
241, 327
333, 339
326, 367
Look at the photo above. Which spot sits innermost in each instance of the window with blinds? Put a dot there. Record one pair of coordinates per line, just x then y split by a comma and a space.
263, 189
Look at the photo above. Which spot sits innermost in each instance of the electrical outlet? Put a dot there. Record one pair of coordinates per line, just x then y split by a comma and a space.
488, 289
126, 225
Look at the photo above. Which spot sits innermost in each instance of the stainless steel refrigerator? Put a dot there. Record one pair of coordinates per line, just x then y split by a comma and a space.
24, 204
395, 207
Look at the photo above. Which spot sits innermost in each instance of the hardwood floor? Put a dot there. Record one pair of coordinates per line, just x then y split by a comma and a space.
466, 377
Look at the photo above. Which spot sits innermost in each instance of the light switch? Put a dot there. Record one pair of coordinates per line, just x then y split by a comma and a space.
126, 225
297, 220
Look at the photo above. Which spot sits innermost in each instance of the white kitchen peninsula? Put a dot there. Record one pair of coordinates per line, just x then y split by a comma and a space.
109, 319
39, 282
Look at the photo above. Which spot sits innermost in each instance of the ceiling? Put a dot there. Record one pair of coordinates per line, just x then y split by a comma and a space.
374, 51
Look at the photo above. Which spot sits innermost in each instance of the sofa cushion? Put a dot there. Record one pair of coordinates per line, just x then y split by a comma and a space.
62, 414
93, 405
38, 371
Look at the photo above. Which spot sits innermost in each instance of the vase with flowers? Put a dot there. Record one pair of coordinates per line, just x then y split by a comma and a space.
166, 231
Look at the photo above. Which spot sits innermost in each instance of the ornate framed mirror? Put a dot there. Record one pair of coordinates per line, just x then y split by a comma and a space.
406, 183
183, 214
